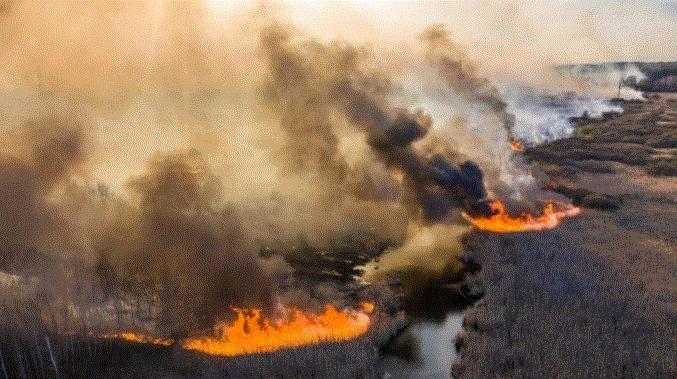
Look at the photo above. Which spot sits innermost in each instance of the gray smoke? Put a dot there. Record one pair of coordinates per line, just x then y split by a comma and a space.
309, 82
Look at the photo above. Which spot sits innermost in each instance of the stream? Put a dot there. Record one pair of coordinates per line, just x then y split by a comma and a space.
435, 348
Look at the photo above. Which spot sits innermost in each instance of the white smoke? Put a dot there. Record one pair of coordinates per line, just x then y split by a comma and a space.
611, 79
543, 117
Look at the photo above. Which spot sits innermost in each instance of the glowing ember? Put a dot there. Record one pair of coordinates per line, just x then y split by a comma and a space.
140, 338
367, 307
516, 145
502, 222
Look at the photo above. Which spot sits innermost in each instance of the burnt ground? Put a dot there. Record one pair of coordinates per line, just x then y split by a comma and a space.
597, 296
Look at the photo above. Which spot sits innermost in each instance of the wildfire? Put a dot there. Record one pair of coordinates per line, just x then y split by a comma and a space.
251, 333
367, 307
502, 222
134, 337
516, 145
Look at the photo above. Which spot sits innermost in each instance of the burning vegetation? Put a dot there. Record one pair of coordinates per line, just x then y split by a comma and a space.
140, 338
173, 252
250, 333
253, 333
502, 222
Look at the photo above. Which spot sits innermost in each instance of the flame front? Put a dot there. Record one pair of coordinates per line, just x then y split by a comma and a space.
516, 145
502, 222
140, 338
251, 333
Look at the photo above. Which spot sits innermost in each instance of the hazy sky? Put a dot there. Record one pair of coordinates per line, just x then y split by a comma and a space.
504, 33
59, 43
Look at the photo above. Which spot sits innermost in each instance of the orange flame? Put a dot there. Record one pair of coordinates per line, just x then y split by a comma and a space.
367, 307
516, 145
252, 334
140, 338
502, 222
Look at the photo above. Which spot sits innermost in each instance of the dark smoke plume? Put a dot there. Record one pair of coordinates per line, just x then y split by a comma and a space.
188, 237
311, 81
180, 237
49, 149
177, 240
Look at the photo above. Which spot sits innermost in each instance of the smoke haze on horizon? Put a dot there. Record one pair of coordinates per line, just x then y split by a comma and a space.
507, 34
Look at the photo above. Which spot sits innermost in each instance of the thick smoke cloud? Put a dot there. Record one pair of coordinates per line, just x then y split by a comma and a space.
314, 80
48, 150
186, 234
179, 235
218, 140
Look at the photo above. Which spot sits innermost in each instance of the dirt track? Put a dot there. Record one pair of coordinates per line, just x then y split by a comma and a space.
596, 297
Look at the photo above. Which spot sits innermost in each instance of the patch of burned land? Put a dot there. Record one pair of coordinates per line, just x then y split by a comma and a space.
53, 356
597, 296
335, 262
334, 269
